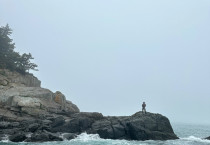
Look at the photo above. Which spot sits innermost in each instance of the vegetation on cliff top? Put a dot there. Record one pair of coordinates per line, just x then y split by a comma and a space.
10, 59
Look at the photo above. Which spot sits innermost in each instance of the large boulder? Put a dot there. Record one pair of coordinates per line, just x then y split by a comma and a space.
35, 100
59, 98
44, 136
58, 121
71, 108
33, 127
18, 137
22, 93
78, 123
69, 136
136, 127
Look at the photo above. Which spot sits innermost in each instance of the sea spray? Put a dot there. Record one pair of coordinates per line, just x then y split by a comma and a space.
194, 139
5, 139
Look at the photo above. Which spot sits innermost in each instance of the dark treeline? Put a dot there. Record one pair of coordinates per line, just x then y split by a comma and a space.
10, 59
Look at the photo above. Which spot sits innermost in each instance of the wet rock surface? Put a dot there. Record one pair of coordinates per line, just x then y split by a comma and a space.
18, 137
56, 128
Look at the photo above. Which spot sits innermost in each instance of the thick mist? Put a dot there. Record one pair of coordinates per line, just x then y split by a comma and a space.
110, 56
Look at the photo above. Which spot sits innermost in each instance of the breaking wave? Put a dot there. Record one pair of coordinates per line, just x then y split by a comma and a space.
195, 139
189, 135
5, 139
87, 137
94, 139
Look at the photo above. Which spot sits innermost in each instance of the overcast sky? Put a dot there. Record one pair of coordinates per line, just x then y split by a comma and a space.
109, 56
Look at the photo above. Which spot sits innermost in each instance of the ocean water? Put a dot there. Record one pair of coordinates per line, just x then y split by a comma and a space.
189, 134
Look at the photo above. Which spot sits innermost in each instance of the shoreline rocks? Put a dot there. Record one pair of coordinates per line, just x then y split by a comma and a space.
9, 78
135, 127
33, 114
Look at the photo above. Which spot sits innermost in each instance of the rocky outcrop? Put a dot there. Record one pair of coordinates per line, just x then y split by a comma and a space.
33, 114
136, 127
8, 78
35, 101
208, 138
19, 95
56, 128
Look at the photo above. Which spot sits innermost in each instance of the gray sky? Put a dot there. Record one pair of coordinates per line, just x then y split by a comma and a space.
110, 56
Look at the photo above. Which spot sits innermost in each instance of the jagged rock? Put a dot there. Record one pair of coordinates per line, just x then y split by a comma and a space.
15, 124
71, 108
17, 79
34, 100
40, 137
10, 131
4, 125
44, 136
7, 125
69, 136
136, 127
60, 99
33, 127
58, 121
4, 82
46, 122
103, 128
208, 138
19, 137
18, 101
78, 123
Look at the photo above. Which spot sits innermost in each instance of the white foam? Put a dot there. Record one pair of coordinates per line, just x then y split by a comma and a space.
88, 137
28, 135
62, 136
95, 139
5, 138
196, 139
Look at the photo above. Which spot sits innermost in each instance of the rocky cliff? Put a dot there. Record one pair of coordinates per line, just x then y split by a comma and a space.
31, 113
23, 94
8, 78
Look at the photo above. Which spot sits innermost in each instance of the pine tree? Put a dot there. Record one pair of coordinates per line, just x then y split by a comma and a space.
10, 59
6, 47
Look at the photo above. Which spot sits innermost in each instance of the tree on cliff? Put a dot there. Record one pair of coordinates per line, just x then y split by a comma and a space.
10, 59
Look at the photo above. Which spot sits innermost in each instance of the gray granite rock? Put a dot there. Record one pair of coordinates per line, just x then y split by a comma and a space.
34, 114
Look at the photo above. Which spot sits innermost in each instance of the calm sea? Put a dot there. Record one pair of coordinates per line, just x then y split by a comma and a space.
189, 134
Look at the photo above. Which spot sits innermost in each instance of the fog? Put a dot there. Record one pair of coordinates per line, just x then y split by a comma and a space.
110, 56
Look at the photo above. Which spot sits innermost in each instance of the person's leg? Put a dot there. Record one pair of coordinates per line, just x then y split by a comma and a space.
143, 110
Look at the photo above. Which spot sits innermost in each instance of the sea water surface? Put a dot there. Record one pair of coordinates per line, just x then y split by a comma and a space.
189, 134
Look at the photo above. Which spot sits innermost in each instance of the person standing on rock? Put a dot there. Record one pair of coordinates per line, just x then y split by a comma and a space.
144, 108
